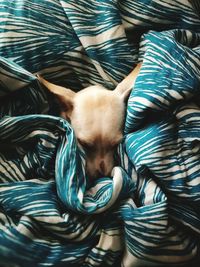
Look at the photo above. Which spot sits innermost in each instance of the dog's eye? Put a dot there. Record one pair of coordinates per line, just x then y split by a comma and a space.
85, 144
115, 143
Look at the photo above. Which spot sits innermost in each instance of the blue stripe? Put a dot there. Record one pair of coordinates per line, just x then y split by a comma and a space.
50, 213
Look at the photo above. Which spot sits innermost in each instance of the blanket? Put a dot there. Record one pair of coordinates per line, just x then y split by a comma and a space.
148, 212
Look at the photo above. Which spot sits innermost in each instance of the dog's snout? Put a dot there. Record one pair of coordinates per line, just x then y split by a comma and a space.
98, 174
102, 167
99, 166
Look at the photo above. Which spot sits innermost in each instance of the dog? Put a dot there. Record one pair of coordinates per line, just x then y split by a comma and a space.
97, 117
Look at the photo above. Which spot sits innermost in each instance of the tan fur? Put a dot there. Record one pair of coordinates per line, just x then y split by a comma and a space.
97, 117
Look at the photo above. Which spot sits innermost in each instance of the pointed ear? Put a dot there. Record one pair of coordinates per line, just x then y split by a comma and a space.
64, 96
124, 87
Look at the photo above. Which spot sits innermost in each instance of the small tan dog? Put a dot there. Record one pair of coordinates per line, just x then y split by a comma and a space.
97, 116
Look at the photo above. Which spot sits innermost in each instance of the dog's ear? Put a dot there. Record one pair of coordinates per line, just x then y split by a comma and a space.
125, 86
64, 96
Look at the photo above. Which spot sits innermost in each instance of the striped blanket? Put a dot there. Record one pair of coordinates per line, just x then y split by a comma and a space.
148, 213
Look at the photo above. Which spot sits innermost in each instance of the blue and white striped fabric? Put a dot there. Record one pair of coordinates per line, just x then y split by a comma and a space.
148, 213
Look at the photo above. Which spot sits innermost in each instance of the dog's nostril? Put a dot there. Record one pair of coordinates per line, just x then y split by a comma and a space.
98, 174
102, 167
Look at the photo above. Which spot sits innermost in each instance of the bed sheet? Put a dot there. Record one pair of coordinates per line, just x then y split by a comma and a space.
148, 213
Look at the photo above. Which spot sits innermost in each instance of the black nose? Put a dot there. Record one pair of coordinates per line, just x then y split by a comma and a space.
99, 174
101, 171
102, 167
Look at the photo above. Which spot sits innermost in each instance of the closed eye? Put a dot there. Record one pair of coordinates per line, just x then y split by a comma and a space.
85, 144
112, 145
116, 142
92, 146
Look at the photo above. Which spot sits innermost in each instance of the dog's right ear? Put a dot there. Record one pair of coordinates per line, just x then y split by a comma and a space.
125, 86
64, 96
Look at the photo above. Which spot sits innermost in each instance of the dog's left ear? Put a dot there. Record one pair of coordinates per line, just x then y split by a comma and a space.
125, 86
64, 96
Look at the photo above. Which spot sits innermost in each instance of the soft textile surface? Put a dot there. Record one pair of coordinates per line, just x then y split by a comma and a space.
149, 211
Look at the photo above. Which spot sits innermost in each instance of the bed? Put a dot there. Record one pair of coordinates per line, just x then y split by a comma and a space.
148, 213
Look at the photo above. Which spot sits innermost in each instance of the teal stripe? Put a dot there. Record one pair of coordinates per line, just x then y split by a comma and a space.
50, 213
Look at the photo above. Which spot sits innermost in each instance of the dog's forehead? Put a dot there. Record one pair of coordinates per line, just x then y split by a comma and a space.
97, 97
97, 104
97, 112
94, 91
92, 88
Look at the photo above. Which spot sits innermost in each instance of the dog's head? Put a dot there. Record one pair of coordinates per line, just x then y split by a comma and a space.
97, 117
